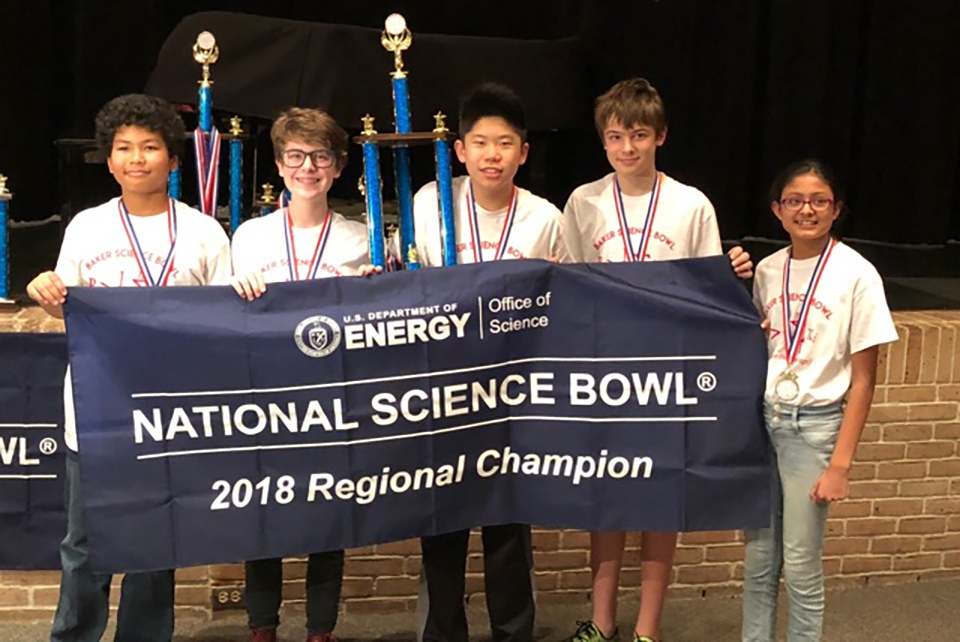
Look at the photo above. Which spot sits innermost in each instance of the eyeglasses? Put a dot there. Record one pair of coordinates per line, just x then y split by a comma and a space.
294, 158
819, 204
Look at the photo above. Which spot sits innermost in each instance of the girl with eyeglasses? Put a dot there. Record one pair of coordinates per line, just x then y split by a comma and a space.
827, 317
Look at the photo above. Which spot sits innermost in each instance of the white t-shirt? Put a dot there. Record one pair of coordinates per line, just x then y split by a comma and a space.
849, 314
96, 252
259, 245
536, 231
684, 223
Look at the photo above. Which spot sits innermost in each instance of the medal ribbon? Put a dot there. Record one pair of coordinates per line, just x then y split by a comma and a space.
647, 233
294, 267
792, 338
167, 268
285, 198
207, 154
475, 226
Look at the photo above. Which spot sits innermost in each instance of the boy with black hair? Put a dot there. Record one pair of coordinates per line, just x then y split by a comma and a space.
495, 220
637, 213
142, 239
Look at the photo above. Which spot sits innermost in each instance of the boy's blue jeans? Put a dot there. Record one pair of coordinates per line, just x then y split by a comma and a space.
146, 599
803, 439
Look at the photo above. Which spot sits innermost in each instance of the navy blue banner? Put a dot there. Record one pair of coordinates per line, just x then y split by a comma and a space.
32, 514
342, 412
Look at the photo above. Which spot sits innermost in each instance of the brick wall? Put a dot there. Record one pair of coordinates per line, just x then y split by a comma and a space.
901, 523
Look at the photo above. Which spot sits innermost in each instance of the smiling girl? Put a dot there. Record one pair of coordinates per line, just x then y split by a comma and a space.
828, 316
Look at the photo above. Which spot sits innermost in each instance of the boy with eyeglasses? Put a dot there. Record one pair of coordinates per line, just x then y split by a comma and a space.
637, 213
305, 240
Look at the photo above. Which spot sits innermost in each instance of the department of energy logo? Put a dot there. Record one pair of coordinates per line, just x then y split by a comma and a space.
317, 336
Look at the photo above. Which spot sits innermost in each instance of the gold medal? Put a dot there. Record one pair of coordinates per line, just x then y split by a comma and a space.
787, 387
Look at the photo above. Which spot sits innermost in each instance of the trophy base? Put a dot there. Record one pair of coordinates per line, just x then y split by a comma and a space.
8, 305
403, 140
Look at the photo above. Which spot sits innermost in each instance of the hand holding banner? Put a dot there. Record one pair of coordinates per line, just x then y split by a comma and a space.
343, 412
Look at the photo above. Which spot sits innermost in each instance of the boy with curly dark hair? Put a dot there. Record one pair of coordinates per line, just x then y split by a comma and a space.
141, 239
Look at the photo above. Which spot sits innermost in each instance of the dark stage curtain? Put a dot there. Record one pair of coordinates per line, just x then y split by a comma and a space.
29, 110
868, 85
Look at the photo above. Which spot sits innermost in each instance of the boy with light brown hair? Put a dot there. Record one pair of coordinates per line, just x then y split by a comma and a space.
637, 213
304, 240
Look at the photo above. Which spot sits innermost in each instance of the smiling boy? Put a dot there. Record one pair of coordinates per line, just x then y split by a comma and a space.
304, 240
141, 239
637, 213
495, 220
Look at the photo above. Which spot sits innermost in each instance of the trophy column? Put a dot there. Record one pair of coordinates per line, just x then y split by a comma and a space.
206, 138
236, 174
206, 52
173, 182
5, 197
396, 38
441, 154
373, 193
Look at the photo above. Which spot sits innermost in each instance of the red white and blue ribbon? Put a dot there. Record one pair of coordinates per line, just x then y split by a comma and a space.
475, 226
294, 267
167, 268
793, 336
646, 234
207, 153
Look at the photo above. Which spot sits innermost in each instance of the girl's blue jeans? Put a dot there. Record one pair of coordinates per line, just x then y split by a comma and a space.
803, 440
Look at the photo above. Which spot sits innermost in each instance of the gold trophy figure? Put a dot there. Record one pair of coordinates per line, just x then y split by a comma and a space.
206, 52
396, 38
236, 128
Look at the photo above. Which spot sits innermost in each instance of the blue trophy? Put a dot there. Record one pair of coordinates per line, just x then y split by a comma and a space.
5, 196
207, 143
396, 38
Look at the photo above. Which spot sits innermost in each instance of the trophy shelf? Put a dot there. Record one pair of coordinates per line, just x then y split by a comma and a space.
404, 140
